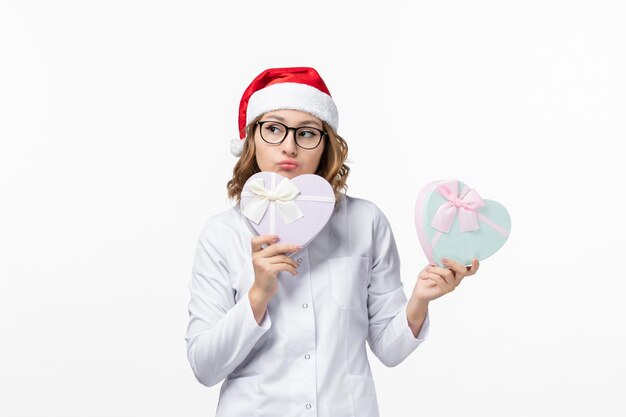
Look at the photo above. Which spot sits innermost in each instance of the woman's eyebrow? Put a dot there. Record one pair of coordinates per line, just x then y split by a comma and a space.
311, 122
302, 123
280, 119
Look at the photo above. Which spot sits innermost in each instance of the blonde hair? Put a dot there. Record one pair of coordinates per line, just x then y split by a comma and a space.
332, 166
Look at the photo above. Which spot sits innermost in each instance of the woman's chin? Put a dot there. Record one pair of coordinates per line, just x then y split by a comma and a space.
286, 172
289, 173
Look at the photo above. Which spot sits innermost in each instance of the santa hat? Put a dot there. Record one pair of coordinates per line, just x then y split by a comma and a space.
297, 88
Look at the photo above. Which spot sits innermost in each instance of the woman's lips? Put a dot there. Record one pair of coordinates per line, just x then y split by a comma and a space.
288, 165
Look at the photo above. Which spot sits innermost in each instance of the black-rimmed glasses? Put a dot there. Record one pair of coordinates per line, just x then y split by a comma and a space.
276, 132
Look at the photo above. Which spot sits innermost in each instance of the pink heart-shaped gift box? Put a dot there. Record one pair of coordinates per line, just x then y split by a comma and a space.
295, 210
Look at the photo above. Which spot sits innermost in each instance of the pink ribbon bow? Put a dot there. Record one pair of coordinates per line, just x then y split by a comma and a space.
465, 207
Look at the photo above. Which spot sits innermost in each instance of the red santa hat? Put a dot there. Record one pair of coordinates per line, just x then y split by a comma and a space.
296, 88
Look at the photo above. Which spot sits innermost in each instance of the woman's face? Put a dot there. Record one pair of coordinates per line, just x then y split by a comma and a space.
287, 158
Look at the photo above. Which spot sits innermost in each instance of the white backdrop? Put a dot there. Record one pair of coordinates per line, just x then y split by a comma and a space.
115, 121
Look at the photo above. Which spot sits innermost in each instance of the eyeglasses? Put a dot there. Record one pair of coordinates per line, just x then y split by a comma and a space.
276, 132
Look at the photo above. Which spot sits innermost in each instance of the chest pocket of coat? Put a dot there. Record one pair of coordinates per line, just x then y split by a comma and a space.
349, 277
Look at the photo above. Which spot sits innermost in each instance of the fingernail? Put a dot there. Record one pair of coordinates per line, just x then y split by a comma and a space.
444, 260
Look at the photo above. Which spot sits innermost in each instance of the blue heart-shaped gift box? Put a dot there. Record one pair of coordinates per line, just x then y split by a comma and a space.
454, 222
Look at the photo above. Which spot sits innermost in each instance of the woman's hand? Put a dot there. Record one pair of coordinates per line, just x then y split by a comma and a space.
434, 281
268, 261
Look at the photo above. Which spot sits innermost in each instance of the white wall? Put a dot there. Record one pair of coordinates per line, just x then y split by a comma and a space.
115, 121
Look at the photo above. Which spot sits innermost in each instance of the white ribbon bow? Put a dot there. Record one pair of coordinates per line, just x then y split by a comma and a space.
282, 196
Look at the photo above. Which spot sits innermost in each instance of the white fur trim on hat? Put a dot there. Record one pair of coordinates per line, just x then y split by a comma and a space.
236, 146
293, 96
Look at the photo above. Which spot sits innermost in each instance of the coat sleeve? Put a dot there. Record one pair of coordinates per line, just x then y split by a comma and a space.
221, 331
389, 335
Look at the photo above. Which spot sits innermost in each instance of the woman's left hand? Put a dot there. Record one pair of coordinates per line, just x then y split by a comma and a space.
434, 281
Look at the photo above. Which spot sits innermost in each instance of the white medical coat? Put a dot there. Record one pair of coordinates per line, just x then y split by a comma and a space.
307, 357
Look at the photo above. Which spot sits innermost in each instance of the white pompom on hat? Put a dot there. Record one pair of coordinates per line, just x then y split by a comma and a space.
295, 88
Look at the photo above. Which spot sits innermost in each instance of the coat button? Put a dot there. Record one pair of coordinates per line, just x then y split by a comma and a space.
299, 260
307, 356
305, 305
308, 406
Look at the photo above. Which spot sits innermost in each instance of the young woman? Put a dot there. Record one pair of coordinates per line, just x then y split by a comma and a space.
288, 333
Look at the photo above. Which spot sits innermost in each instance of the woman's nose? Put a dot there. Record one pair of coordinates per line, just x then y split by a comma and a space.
289, 144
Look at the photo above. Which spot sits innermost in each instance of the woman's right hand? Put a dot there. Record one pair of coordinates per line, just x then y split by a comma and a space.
268, 261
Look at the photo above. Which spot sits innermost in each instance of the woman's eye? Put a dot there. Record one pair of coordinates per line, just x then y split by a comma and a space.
307, 133
274, 129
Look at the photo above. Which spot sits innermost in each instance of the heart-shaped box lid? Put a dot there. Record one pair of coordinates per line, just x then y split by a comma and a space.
454, 222
296, 210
